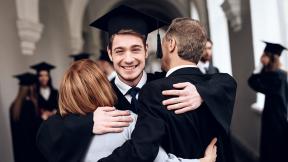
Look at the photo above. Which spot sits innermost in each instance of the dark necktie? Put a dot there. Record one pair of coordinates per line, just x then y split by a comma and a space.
134, 102
206, 70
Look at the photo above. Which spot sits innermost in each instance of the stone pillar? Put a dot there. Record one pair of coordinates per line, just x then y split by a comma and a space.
75, 12
28, 25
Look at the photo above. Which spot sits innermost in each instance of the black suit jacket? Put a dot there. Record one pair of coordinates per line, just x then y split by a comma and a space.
212, 69
185, 135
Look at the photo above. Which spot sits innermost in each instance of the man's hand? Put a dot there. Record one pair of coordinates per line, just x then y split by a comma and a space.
210, 152
110, 120
188, 98
46, 114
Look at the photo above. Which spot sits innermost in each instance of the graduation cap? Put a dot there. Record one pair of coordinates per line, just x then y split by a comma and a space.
104, 56
42, 66
124, 17
274, 48
26, 79
81, 56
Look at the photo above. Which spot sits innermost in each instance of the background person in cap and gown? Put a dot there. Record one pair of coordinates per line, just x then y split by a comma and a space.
25, 120
81, 56
205, 64
47, 95
271, 80
106, 65
129, 61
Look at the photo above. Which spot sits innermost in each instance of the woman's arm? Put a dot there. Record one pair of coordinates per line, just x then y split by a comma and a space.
210, 155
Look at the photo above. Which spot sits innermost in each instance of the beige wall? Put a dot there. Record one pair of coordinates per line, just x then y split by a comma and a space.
52, 47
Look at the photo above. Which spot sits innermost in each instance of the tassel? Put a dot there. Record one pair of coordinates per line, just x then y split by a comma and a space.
159, 48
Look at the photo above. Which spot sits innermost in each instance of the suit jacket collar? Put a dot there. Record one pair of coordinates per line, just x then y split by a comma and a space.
186, 71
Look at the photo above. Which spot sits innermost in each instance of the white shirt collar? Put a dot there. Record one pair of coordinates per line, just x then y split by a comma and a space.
112, 75
203, 66
45, 92
124, 88
177, 68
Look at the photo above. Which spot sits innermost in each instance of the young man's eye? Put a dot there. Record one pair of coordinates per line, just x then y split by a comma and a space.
119, 51
136, 50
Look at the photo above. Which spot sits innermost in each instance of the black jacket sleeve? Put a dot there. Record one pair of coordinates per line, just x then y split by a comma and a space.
265, 82
58, 137
219, 92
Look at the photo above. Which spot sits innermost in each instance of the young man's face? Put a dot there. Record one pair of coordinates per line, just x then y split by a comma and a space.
128, 54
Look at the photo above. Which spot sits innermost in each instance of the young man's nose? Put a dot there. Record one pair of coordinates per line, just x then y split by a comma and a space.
129, 58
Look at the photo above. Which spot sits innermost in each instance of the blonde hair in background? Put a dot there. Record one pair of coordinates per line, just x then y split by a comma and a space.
84, 88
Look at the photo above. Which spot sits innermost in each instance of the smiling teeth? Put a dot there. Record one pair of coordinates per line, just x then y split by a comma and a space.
129, 67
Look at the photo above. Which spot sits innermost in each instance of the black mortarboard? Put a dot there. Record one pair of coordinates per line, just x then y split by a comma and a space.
26, 79
274, 48
124, 17
104, 56
42, 66
81, 56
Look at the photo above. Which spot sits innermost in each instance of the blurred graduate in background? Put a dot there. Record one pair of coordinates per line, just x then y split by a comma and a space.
271, 80
47, 95
25, 121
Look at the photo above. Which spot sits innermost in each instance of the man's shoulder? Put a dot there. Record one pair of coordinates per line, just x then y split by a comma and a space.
155, 76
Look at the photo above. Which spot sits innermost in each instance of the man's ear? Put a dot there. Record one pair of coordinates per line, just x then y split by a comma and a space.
109, 51
172, 45
146, 51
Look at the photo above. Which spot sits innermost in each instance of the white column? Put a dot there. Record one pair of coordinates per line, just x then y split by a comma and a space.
219, 36
29, 27
194, 12
75, 11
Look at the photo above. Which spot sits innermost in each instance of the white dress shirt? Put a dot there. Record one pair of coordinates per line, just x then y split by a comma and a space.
203, 66
124, 88
45, 93
112, 75
177, 68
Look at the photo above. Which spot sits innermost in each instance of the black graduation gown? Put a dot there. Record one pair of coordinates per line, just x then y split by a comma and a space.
24, 134
274, 129
186, 135
56, 132
50, 104
65, 139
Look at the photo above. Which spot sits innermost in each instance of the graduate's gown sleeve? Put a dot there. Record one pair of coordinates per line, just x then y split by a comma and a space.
265, 82
218, 92
65, 138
